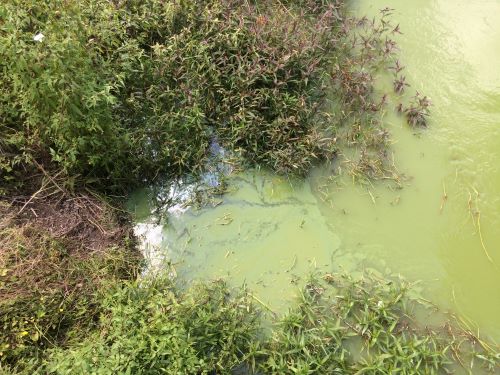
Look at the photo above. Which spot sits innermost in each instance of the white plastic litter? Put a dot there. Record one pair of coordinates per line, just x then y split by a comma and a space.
38, 37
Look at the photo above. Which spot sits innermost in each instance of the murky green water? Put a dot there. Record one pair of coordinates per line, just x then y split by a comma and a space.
269, 232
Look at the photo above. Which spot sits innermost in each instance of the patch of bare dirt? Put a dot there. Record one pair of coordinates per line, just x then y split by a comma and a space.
82, 221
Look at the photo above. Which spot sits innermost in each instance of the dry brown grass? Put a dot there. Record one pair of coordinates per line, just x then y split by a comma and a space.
56, 252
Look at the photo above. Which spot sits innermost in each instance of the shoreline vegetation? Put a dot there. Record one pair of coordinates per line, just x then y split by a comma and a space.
100, 97
115, 95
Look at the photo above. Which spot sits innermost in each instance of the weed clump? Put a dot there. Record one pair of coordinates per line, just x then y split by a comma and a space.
417, 112
352, 326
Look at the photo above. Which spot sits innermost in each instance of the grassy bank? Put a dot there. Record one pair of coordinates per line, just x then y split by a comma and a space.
338, 326
56, 254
